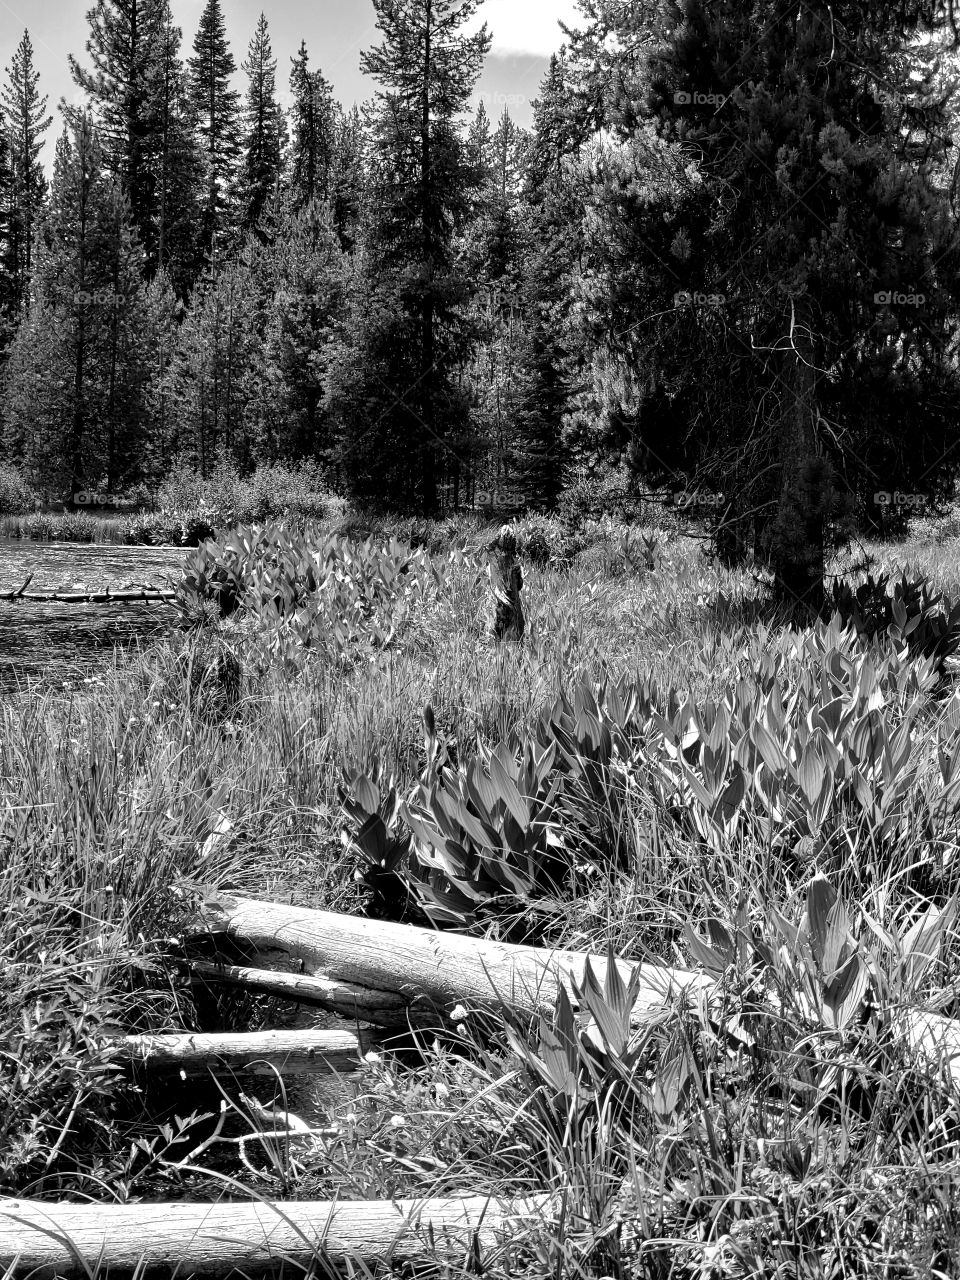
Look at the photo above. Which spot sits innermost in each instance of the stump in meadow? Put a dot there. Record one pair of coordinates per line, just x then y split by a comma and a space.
506, 577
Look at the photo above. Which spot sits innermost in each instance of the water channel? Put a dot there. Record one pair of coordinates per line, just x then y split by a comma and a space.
57, 640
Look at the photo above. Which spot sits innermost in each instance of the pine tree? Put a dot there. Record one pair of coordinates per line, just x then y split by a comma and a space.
27, 121
549, 251
123, 45
421, 182
348, 175
207, 386
264, 132
217, 109
175, 161
313, 141
8, 255
747, 303
75, 412
303, 280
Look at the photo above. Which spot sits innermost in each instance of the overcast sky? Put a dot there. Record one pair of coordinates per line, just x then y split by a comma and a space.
525, 33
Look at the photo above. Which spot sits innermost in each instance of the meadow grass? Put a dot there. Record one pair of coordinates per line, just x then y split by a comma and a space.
753, 1137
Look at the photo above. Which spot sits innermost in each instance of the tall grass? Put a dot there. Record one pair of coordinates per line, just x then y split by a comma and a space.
740, 1137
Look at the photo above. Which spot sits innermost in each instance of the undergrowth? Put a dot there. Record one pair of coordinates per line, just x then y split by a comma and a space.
663, 770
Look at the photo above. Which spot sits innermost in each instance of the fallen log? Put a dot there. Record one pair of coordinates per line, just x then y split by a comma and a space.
51, 1240
417, 974
89, 597
344, 998
421, 972
307, 1052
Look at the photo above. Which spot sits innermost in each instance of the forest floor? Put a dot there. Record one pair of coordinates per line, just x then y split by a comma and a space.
821, 1148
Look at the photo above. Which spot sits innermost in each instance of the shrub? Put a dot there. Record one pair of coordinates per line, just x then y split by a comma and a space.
819, 748
17, 495
271, 492
594, 494
908, 612
305, 589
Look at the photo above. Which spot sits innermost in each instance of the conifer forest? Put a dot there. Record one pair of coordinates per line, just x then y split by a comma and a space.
480, 648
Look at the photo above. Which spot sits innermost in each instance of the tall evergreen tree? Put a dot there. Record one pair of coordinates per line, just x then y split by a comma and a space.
75, 408
264, 130
783, 312
27, 121
217, 110
175, 160
551, 245
302, 283
313, 119
208, 384
348, 175
123, 45
421, 181
8, 257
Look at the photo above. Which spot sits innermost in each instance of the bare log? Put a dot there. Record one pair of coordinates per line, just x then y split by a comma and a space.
50, 1240
345, 998
351, 964
89, 597
425, 971
307, 1052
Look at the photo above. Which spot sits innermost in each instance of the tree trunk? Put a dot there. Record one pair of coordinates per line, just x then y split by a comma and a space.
309, 1052
797, 534
421, 972
49, 1240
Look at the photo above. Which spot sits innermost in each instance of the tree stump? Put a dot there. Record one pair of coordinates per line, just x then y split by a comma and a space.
506, 577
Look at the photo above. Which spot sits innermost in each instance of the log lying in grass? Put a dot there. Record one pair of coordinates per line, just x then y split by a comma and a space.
421, 971
397, 972
306, 1052
91, 597
363, 1004
47, 1240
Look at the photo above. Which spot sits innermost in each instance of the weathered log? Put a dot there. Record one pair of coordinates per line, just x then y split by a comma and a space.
422, 971
90, 597
50, 1240
395, 973
307, 1052
358, 1003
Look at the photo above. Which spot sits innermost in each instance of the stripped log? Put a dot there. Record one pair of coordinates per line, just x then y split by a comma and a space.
90, 597
398, 972
421, 972
363, 1004
50, 1240
307, 1052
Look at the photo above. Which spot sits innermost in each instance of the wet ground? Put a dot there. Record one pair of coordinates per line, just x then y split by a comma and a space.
50, 639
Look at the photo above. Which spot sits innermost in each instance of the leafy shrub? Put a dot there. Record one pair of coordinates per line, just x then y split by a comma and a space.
309, 590
908, 612
591, 495
17, 495
270, 492
818, 748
